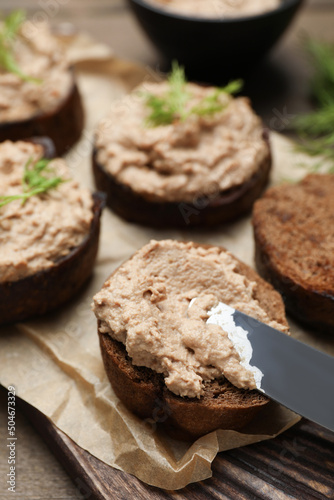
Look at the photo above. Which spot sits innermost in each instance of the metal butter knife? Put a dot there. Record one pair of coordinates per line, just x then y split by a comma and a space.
293, 373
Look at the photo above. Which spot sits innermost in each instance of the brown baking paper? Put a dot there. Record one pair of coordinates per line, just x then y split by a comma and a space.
54, 362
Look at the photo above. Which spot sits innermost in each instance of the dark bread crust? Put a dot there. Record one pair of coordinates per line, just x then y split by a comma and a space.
215, 209
310, 307
63, 125
46, 290
222, 406
308, 303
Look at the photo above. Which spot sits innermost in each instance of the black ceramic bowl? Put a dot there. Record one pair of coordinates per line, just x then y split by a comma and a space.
215, 48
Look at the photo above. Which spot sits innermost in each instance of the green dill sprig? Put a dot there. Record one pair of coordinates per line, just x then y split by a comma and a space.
171, 106
212, 104
316, 129
321, 56
8, 34
34, 182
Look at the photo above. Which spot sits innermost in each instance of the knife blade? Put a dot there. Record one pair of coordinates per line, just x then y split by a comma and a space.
292, 373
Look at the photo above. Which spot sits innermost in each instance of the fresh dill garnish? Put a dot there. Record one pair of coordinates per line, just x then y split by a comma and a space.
8, 34
171, 106
322, 57
316, 129
34, 182
212, 104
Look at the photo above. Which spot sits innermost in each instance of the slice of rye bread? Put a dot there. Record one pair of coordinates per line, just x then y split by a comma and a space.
294, 237
205, 210
222, 406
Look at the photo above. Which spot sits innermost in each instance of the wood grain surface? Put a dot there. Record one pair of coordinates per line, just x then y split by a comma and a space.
300, 463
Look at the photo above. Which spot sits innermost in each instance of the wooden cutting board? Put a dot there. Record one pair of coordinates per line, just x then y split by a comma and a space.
298, 464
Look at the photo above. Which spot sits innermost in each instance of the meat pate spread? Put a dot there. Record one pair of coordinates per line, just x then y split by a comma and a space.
39, 55
217, 8
36, 234
201, 155
145, 305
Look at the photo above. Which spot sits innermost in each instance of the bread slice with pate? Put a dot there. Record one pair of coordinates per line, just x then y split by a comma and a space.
196, 170
164, 362
39, 95
48, 236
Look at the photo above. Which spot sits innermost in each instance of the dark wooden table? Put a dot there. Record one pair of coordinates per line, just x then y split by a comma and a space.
278, 89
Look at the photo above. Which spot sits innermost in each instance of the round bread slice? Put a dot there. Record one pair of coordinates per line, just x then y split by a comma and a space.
206, 210
47, 289
63, 125
202, 168
294, 238
221, 406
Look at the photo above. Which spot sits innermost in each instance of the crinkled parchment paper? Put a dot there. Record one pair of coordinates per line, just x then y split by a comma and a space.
55, 363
